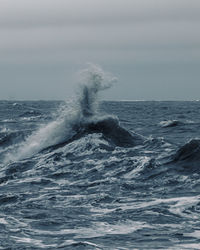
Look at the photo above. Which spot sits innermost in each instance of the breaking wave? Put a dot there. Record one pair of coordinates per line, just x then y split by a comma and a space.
79, 118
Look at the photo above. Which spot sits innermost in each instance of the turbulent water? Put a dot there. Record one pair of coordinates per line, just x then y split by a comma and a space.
121, 175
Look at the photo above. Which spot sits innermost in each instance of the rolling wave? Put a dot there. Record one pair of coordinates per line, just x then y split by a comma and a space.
189, 152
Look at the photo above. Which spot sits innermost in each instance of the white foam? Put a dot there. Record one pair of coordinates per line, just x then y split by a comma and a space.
33, 242
141, 163
3, 221
182, 204
101, 229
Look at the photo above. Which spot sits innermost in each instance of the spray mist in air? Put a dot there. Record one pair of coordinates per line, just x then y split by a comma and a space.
92, 80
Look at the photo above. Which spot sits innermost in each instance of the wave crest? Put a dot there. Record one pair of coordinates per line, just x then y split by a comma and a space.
189, 152
78, 119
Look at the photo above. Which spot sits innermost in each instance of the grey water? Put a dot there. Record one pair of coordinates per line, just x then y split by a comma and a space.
89, 193
118, 175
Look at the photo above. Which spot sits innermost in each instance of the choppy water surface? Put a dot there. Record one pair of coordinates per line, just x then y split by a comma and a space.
123, 176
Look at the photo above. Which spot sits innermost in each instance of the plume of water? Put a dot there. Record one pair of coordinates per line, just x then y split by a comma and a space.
92, 80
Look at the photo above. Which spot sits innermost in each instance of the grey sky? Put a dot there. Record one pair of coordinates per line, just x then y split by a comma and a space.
152, 46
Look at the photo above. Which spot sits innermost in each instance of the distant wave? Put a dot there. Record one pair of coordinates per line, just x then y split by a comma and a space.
170, 123
30, 113
174, 123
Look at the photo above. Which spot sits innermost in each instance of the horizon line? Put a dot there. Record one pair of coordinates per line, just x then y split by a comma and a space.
108, 100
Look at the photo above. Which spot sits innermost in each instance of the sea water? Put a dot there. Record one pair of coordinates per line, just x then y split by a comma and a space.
109, 175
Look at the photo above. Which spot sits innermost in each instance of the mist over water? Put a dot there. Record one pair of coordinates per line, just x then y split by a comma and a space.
86, 174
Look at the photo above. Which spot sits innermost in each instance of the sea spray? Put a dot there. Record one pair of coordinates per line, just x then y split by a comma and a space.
91, 80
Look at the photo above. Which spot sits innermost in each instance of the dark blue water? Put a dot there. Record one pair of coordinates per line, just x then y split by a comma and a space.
78, 180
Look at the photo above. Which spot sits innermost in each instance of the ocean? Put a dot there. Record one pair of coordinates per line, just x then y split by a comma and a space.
84, 174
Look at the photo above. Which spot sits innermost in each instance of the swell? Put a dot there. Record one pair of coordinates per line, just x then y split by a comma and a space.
186, 159
108, 126
189, 152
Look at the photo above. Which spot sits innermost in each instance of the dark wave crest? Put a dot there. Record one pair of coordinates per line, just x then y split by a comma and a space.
108, 127
189, 152
187, 158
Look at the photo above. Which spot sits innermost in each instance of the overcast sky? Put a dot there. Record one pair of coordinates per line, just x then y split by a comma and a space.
151, 46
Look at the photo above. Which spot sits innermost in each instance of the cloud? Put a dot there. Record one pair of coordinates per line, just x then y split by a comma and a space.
35, 13
40, 38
